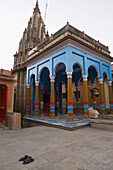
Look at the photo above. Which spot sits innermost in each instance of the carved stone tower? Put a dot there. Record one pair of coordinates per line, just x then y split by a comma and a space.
33, 35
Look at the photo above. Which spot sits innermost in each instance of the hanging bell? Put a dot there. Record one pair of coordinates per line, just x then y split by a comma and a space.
95, 92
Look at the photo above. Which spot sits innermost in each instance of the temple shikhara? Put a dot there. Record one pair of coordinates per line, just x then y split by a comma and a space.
65, 73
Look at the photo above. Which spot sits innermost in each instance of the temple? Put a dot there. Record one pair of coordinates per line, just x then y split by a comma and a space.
65, 73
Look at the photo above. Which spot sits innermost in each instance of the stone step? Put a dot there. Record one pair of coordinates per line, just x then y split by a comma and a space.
102, 124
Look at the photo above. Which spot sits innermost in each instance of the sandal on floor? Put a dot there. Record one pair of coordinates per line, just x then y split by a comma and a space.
23, 158
28, 160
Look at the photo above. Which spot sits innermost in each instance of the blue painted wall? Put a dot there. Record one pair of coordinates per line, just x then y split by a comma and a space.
69, 56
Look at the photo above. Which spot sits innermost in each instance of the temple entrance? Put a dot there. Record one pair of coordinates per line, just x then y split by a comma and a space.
3, 102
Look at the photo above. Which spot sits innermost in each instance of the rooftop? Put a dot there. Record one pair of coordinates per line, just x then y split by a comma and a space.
6, 74
80, 36
69, 32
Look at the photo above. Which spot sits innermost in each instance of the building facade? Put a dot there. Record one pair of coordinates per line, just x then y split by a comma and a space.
64, 73
6, 93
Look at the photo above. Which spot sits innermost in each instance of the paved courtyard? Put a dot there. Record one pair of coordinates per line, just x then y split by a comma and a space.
56, 149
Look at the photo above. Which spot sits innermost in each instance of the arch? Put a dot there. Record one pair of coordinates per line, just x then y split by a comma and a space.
41, 72
57, 66
106, 74
31, 76
77, 73
93, 74
79, 66
98, 74
60, 73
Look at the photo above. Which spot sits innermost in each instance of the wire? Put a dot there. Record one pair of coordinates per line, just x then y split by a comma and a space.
45, 12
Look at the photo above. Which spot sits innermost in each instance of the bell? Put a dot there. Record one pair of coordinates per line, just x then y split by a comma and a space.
95, 92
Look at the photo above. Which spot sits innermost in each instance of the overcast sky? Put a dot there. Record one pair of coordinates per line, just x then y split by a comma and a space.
94, 17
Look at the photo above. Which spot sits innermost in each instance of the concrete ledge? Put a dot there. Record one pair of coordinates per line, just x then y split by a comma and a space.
102, 124
108, 117
13, 120
29, 122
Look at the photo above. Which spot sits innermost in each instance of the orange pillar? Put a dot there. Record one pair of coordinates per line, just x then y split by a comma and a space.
70, 121
28, 101
37, 100
86, 102
52, 101
110, 97
102, 106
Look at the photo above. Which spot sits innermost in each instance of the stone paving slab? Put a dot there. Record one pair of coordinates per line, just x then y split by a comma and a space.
56, 149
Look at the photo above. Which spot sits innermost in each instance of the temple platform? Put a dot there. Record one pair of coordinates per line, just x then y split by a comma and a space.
61, 122
104, 122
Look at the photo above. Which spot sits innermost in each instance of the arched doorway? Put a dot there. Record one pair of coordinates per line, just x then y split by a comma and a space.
61, 86
45, 91
93, 87
3, 102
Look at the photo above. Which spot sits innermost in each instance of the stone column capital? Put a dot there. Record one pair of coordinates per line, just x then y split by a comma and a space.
85, 77
110, 83
28, 85
37, 83
69, 74
100, 81
52, 79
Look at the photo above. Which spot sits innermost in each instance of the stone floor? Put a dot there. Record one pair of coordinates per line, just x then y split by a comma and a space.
56, 149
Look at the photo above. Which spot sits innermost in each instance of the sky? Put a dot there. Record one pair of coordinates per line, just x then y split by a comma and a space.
94, 17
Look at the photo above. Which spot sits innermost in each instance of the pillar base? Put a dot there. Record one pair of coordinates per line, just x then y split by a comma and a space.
27, 116
71, 123
52, 120
37, 118
86, 120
